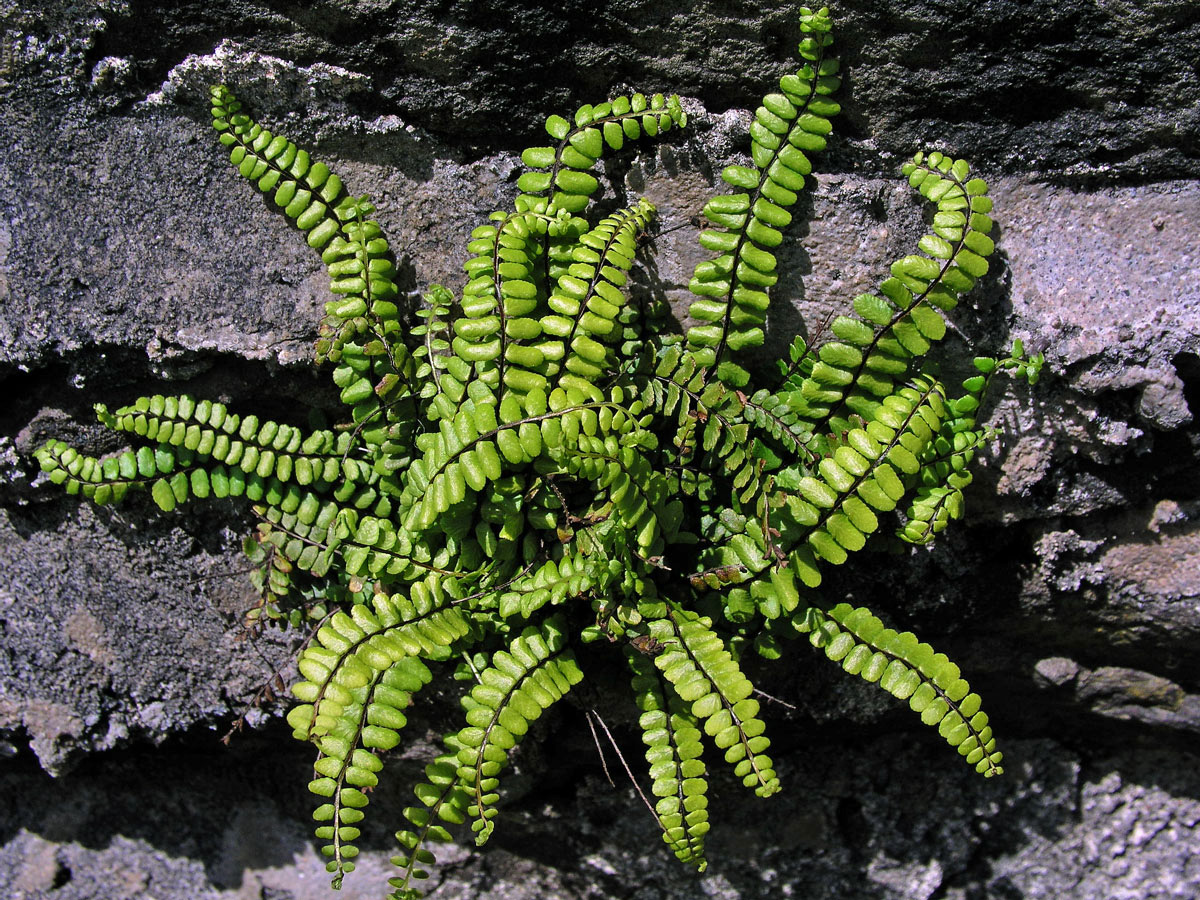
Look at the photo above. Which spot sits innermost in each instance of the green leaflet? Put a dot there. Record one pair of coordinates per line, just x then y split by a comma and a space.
537, 456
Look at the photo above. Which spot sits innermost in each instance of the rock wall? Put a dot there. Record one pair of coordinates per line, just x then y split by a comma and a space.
132, 261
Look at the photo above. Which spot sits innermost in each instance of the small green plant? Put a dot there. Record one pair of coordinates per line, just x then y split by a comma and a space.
538, 461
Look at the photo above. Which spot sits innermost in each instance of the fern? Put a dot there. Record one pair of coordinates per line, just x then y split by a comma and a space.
674, 746
533, 461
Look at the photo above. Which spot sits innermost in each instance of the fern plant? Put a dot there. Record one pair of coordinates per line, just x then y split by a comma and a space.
534, 461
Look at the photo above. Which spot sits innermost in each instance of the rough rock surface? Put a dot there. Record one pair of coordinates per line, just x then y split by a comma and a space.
131, 258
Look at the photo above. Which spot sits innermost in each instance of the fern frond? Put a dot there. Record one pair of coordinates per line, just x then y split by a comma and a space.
444, 800
944, 473
372, 637
868, 473
502, 300
772, 413
362, 273
830, 513
204, 450
361, 672
875, 351
909, 670
346, 768
746, 225
481, 442
102, 480
589, 296
702, 673
458, 459
271, 449
442, 376
673, 749
308, 536
561, 179
352, 246
706, 413
550, 583
307, 192
521, 683
633, 487
938, 498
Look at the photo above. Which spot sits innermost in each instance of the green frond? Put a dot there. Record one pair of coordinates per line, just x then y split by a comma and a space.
703, 674
533, 673
443, 799
263, 447
673, 742
560, 178
944, 472
870, 472
375, 636
459, 459
503, 300
908, 670
824, 516
307, 192
874, 351
204, 450
309, 536
442, 376
550, 583
627, 477
360, 673
362, 329
360, 676
589, 296
107, 480
772, 413
747, 225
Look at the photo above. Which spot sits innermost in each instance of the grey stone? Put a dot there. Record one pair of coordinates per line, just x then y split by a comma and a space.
1057, 670
1081, 90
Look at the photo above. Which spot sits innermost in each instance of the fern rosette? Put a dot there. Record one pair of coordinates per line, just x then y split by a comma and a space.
533, 461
